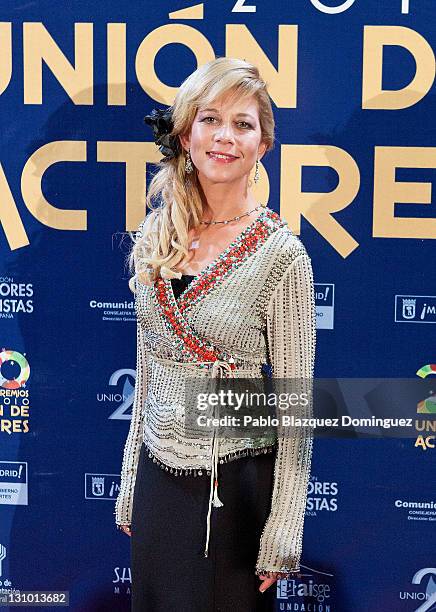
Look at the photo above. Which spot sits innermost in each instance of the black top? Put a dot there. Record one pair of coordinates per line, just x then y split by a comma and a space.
180, 284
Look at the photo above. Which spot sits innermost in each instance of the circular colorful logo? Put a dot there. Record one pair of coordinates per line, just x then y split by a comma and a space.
20, 380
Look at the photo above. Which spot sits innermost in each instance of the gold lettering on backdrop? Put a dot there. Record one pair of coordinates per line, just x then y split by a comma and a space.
282, 83
135, 156
5, 55
31, 179
76, 78
39, 46
153, 43
317, 207
388, 192
10, 219
116, 64
374, 39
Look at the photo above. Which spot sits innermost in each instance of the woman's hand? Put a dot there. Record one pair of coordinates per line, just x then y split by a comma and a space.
126, 529
267, 582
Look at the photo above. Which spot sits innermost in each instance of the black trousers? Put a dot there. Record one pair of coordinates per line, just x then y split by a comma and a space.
169, 570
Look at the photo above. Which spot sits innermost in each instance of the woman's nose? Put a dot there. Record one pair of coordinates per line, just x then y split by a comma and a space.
224, 132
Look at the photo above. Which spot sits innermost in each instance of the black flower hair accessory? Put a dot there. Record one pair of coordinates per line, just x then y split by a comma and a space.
161, 121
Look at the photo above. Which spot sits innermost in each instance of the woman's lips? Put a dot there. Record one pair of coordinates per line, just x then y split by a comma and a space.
222, 160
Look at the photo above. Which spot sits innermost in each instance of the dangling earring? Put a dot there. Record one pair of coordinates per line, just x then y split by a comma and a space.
256, 174
188, 164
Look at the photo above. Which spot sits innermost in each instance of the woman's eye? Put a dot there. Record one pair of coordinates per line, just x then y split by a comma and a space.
242, 124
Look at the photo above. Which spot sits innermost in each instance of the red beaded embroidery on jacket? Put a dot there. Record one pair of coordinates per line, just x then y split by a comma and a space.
192, 347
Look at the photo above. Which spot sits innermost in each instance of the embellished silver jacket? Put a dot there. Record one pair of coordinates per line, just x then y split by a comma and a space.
254, 304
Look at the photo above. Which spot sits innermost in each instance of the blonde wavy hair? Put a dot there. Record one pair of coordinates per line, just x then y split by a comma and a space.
174, 197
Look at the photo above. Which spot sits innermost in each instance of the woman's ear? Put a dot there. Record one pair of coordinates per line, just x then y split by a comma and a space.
261, 150
185, 141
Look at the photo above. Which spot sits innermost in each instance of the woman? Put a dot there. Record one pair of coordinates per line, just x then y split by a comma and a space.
222, 287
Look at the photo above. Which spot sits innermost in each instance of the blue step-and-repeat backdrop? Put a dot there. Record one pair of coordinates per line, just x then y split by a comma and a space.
352, 171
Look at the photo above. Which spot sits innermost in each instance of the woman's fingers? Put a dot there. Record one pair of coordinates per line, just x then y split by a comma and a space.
126, 529
267, 582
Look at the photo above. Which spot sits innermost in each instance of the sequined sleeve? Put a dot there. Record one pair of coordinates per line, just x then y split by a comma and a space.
291, 338
132, 447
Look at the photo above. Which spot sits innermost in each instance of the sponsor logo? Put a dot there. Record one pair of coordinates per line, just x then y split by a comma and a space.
415, 309
14, 369
427, 439
14, 397
324, 302
15, 297
123, 310
123, 398
102, 486
425, 592
122, 580
417, 510
321, 496
5, 583
13, 483
314, 591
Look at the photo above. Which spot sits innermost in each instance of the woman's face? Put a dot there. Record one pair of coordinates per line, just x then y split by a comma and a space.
229, 126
